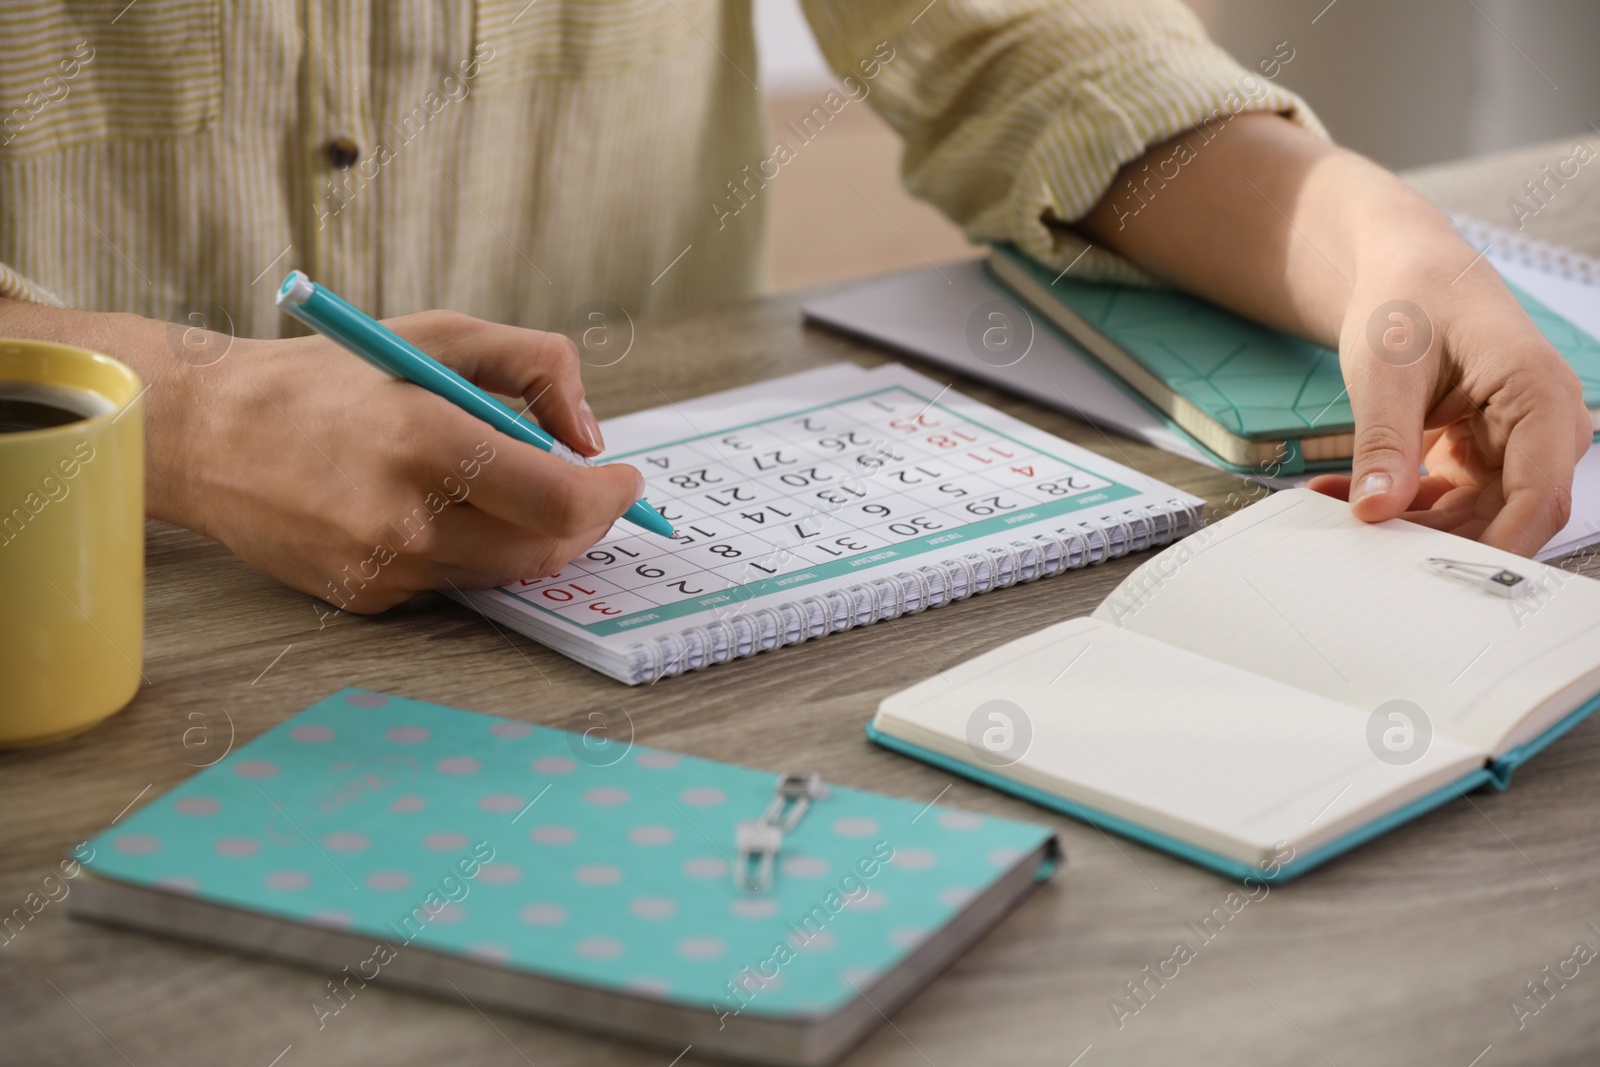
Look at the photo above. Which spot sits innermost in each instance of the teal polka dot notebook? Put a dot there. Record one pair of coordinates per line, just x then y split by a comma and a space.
389, 840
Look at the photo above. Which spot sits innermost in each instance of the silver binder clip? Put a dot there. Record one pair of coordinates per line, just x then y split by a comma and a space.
1497, 580
758, 841
791, 798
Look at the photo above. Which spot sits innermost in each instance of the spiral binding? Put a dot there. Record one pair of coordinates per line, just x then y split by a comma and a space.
1530, 251
929, 586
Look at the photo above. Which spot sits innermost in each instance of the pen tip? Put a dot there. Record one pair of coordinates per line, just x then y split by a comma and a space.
642, 514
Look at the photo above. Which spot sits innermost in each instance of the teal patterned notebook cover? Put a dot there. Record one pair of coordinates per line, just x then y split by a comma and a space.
607, 865
1256, 382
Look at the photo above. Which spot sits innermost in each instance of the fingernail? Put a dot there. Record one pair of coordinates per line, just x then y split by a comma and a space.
638, 484
591, 426
1374, 485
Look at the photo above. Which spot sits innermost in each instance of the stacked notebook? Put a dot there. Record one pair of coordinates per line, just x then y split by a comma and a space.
820, 502
1275, 690
492, 862
1252, 395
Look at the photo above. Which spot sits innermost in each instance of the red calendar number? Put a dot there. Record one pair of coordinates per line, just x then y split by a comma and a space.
565, 594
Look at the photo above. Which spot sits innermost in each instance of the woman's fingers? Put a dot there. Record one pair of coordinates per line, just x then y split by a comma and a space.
1429, 489
1440, 503
1438, 491
539, 368
448, 501
496, 552
1389, 402
1334, 485
527, 487
546, 496
1536, 478
1443, 506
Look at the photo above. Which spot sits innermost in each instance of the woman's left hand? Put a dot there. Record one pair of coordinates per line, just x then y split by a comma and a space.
1445, 369
1446, 372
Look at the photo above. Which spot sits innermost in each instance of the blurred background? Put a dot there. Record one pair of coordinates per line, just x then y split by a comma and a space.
1407, 82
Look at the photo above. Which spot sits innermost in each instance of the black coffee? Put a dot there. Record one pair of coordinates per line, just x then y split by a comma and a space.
18, 415
40, 405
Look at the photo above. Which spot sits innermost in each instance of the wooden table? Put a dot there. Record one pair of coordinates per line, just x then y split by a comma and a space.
1409, 951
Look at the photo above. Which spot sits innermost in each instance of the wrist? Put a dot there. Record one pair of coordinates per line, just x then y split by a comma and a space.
152, 349
172, 424
1384, 228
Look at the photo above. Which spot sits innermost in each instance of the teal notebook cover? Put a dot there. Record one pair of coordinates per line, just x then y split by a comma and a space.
1496, 774
1254, 381
534, 848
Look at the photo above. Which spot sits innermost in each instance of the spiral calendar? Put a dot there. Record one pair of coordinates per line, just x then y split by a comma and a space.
824, 501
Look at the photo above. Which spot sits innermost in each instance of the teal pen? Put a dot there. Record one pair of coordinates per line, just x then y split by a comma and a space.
339, 321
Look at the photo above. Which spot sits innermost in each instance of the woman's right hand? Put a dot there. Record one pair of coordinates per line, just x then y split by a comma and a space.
348, 484
363, 489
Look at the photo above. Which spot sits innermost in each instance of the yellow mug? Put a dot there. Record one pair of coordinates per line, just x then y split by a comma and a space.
71, 540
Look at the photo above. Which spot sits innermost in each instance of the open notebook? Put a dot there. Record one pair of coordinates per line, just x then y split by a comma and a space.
820, 502
1273, 691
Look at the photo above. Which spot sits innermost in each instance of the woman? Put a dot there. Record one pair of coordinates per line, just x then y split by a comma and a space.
513, 161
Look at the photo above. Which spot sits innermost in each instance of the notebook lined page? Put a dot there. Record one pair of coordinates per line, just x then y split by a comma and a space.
1297, 589
1230, 761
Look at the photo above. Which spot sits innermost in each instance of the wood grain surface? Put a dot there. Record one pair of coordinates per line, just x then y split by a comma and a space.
1409, 951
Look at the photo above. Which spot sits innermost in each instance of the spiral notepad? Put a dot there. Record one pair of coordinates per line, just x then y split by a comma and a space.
1512, 246
824, 501
1564, 280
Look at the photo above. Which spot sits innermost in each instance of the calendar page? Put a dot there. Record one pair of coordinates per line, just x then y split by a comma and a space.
782, 490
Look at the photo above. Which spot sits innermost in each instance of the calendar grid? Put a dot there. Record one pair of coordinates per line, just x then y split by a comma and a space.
783, 502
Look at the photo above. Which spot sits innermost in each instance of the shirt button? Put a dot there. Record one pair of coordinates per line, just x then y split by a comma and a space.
342, 152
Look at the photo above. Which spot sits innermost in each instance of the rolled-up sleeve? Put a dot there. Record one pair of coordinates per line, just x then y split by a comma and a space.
14, 286
1017, 115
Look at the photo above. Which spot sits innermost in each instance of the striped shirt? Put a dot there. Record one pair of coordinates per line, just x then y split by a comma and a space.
518, 160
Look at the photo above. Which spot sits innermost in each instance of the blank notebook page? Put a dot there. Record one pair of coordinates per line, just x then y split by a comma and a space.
1296, 588
1161, 736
